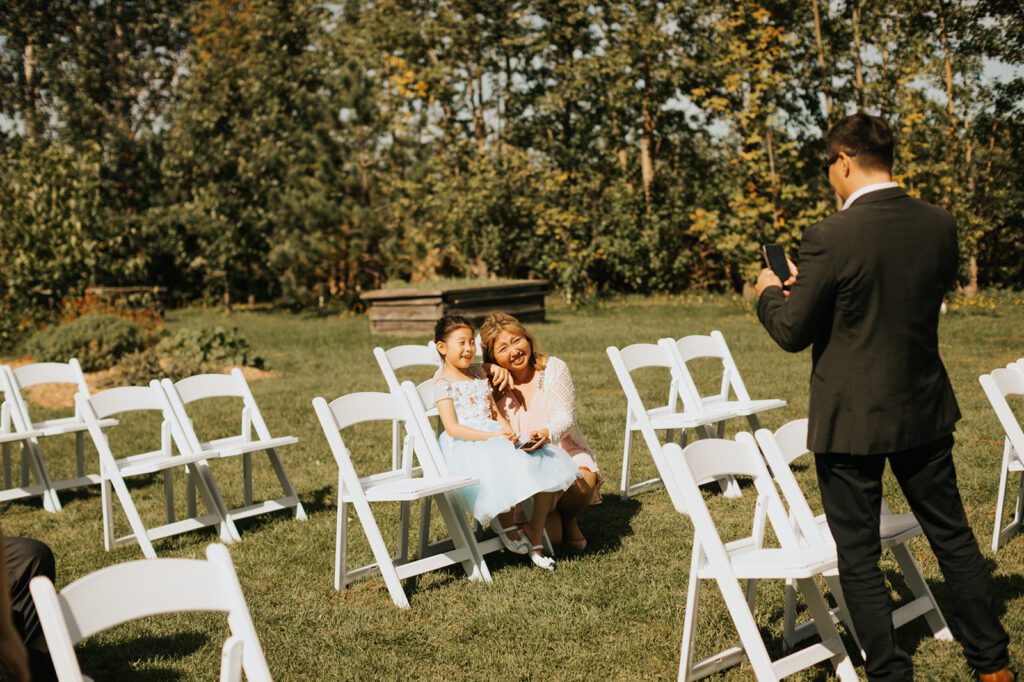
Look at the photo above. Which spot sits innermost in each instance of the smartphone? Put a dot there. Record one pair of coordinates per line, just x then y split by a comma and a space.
775, 256
525, 444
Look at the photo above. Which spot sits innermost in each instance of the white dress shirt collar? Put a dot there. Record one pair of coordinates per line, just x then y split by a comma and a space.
864, 190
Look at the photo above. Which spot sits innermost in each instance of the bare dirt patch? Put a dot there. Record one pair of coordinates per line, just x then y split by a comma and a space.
62, 396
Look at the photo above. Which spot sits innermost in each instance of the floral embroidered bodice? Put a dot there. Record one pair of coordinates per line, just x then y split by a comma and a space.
471, 398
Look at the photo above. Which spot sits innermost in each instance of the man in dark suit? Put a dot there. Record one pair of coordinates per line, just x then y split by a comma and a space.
867, 294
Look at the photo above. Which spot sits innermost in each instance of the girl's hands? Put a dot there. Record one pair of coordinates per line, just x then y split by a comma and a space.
538, 438
501, 378
510, 435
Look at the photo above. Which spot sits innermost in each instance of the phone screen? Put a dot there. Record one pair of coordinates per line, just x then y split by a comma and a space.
775, 255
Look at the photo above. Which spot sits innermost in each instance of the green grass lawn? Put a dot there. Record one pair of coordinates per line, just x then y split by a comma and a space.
614, 611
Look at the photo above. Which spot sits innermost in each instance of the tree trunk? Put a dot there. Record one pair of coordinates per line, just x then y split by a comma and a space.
859, 69
646, 157
29, 93
821, 61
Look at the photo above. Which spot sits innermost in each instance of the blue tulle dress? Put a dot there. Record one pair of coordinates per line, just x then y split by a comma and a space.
507, 475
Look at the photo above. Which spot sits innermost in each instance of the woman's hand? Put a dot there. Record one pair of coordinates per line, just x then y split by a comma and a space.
501, 378
538, 438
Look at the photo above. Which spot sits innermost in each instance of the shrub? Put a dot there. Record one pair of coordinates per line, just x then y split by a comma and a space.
198, 348
139, 368
97, 340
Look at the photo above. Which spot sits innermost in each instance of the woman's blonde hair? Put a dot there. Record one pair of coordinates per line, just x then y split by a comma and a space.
494, 324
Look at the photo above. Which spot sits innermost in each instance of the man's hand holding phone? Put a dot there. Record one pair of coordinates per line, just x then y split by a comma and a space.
781, 271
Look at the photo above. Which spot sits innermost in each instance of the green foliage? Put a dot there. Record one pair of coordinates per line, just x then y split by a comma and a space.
141, 367
97, 340
195, 349
292, 150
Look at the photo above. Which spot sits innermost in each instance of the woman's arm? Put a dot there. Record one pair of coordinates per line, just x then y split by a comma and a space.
500, 418
561, 396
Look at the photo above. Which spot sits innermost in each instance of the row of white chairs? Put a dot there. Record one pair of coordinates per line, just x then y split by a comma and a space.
173, 401
1000, 385
713, 459
705, 414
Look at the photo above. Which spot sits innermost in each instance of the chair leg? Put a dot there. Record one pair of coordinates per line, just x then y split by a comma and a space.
919, 588
380, 553
340, 533
690, 619
247, 479
836, 589
403, 532
458, 530
1001, 496
286, 483
7, 465
827, 630
214, 501
80, 454
107, 505
190, 492
425, 528
51, 502
134, 520
626, 447
746, 628
169, 495
789, 615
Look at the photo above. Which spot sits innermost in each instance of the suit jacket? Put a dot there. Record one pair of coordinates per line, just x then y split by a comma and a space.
871, 281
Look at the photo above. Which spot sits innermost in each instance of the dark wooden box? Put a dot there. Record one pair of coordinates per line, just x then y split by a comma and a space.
414, 311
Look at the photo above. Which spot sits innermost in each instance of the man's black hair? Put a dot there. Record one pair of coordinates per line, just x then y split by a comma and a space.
865, 137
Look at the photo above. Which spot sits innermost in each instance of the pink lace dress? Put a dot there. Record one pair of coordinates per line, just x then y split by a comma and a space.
554, 408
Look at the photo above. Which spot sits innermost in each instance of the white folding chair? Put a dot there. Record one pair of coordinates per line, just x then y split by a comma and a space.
399, 485
114, 470
998, 386
784, 447
16, 417
204, 386
136, 589
666, 417
746, 559
419, 399
394, 359
714, 346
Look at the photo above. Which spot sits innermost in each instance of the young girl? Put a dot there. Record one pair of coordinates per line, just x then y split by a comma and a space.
479, 442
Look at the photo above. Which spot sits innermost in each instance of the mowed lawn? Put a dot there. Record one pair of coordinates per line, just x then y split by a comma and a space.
613, 611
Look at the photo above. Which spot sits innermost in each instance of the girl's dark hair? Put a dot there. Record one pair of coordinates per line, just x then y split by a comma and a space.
448, 324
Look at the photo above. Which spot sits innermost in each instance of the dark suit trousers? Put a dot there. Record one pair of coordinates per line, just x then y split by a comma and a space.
26, 559
851, 492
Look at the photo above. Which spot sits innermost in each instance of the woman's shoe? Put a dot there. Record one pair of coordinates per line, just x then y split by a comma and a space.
541, 561
517, 546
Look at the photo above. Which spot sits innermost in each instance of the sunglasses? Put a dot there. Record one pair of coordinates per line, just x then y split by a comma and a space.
832, 159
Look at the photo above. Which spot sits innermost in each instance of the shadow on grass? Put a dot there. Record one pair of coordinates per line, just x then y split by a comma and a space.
313, 503
115, 662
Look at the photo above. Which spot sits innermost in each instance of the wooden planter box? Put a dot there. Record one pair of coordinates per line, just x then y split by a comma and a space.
414, 311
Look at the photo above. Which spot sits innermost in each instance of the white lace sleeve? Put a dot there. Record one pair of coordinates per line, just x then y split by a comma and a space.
561, 398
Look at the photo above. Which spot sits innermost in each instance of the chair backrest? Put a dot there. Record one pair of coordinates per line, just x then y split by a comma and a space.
710, 458
780, 449
136, 589
998, 385
14, 379
204, 386
399, 357
711, 346
119, 401
624, 362
36, 373
419, 399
